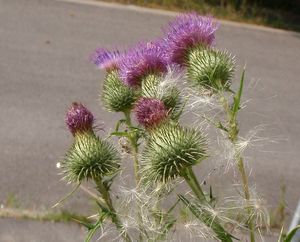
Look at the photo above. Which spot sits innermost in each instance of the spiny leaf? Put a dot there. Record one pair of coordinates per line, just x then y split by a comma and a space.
291, 234
208, 219
89, 226
119, 123
93, 230
237, 98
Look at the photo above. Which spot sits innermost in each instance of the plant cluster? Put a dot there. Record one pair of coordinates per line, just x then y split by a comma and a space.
158, 83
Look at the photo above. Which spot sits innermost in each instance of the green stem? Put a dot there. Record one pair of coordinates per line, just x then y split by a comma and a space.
134, 145
133, 138
244, 177
192, 181
115, 219
233, 131
205, 216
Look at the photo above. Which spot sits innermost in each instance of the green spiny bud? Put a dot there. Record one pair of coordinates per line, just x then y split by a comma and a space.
89, 158
116, 96
210, 68
152, 87
171, 149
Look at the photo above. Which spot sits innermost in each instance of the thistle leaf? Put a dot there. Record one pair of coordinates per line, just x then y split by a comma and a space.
93, 230
119, 123
89, 226
237, 98
208, 219
291, 234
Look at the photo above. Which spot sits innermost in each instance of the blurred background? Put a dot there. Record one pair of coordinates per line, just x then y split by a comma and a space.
275, 13
44, 67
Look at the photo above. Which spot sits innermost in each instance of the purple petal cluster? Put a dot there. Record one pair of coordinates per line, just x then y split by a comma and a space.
144, 59
188, 31
79, 118
150, 112
105, 59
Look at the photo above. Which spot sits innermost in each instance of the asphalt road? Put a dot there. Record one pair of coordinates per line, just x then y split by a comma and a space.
44, 49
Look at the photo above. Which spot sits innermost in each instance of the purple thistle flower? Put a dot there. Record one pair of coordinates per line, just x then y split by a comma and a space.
188, 31
150, 112
144, 59
105, 59
79, 118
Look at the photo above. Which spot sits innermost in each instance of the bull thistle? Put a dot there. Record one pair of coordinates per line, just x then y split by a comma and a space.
163, 149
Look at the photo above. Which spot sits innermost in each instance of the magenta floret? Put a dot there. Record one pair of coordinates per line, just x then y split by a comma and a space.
187, 31
79, 118
150, 112
144, 59
105, 59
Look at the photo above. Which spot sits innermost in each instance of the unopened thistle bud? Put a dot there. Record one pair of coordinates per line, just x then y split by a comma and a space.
145, 59
104, 59
188, 31
79, 119
150, 112
171, 149
210, 68
89, 158
152, 87
116, 96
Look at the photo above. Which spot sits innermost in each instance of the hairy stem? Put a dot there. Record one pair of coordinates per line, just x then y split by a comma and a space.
133, 138
134, 145
233, 131
192, 181
205, 216
114, 217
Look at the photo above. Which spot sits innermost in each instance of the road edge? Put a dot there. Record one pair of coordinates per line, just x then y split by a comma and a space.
135, 8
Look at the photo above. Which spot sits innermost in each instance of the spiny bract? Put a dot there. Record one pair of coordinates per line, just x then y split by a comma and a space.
90, 158
116, 96
169, 150
210, 68
153, 87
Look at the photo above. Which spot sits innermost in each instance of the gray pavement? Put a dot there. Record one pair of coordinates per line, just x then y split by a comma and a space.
34, 231
44, 49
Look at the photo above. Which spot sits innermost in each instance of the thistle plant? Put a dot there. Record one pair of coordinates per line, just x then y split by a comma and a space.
140, 84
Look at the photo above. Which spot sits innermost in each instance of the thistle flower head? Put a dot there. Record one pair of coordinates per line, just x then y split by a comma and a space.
105, 59
171, 149
186, 32
144, 59
150, 112
89, 158
116, 96
210, 68
154, 87
79, 119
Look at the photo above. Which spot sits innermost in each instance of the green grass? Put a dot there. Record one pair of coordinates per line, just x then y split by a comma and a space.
43, 216
11, 208
288, 19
